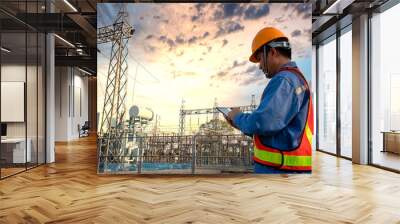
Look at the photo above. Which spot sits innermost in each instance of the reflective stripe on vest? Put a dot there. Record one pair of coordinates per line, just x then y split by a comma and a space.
299, 158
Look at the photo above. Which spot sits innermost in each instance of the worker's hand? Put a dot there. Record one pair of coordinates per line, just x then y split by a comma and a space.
233, 113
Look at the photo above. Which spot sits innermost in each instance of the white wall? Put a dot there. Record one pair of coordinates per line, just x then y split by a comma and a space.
71, 94
61, 103
14, 73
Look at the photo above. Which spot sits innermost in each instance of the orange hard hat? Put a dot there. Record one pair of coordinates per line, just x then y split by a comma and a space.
263, 37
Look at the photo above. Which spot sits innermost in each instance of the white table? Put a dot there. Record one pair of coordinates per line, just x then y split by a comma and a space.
18, 149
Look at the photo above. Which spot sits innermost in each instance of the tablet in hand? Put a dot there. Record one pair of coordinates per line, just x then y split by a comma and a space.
224, 110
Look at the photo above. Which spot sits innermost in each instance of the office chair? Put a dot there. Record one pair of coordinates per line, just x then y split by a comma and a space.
84, 130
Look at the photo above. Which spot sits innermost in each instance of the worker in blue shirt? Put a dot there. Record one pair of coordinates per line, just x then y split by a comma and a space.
282, 124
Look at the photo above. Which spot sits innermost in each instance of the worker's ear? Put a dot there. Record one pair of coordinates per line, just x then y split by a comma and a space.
273, 51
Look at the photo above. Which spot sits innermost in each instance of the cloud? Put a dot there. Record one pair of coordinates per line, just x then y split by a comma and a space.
304, 9
195, 18
253, 12
236, 64
296, 33
200, 6
177, 74
228, 10
248, 12
179, 40
307, 31
251, 69
222, 74
149, 48
228, 27
286, 7
281, 19
199, 11
251, 75
192, 40
180, 53
251, 80
167, 40
224, 42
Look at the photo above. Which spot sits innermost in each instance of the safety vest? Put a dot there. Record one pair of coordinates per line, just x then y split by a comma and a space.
299, 158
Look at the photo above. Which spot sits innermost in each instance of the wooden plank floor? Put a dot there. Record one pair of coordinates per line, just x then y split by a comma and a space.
69, 191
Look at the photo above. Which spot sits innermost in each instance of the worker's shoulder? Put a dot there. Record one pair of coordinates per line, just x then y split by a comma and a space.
290, 77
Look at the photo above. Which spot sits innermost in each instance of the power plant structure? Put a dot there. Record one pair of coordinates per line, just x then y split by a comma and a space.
183, 113
213, 151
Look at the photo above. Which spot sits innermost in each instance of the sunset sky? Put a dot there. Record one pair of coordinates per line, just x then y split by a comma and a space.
198, 52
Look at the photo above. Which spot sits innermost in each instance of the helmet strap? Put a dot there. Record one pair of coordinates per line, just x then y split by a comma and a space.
265, 55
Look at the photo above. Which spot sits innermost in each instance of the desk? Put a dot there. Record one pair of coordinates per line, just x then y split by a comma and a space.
391, 141
15, 148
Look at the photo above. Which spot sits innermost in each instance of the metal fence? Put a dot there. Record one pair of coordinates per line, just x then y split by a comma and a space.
175, 154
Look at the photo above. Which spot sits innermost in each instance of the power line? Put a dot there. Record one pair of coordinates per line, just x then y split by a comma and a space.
144, 67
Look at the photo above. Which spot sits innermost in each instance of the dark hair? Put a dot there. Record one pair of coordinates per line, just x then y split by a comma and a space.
284, 51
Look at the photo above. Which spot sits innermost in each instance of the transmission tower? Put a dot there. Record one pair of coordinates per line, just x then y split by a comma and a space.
112, 119
215, 115
182, 119
253, 102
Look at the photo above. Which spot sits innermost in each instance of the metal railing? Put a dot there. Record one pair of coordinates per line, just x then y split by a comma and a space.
187, 154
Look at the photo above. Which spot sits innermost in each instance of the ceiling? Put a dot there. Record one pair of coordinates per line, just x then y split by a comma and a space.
76, 22
330, 15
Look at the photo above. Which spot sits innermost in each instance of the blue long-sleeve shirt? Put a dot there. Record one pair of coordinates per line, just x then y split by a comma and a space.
280, 118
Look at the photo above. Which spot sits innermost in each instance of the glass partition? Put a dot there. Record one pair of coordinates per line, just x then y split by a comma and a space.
22, 88
14, 154
327, 96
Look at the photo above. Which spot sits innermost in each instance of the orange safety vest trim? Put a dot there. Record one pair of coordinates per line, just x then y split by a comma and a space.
300, 158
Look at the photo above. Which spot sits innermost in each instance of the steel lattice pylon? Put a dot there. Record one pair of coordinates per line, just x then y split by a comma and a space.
112, 118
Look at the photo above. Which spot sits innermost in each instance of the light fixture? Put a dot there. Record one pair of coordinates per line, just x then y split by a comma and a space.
5, 49
84, 71
64, 40
70, 5
337, 7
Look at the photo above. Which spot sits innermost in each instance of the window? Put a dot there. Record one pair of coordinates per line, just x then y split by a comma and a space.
346, 93
327, 96
385, 89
